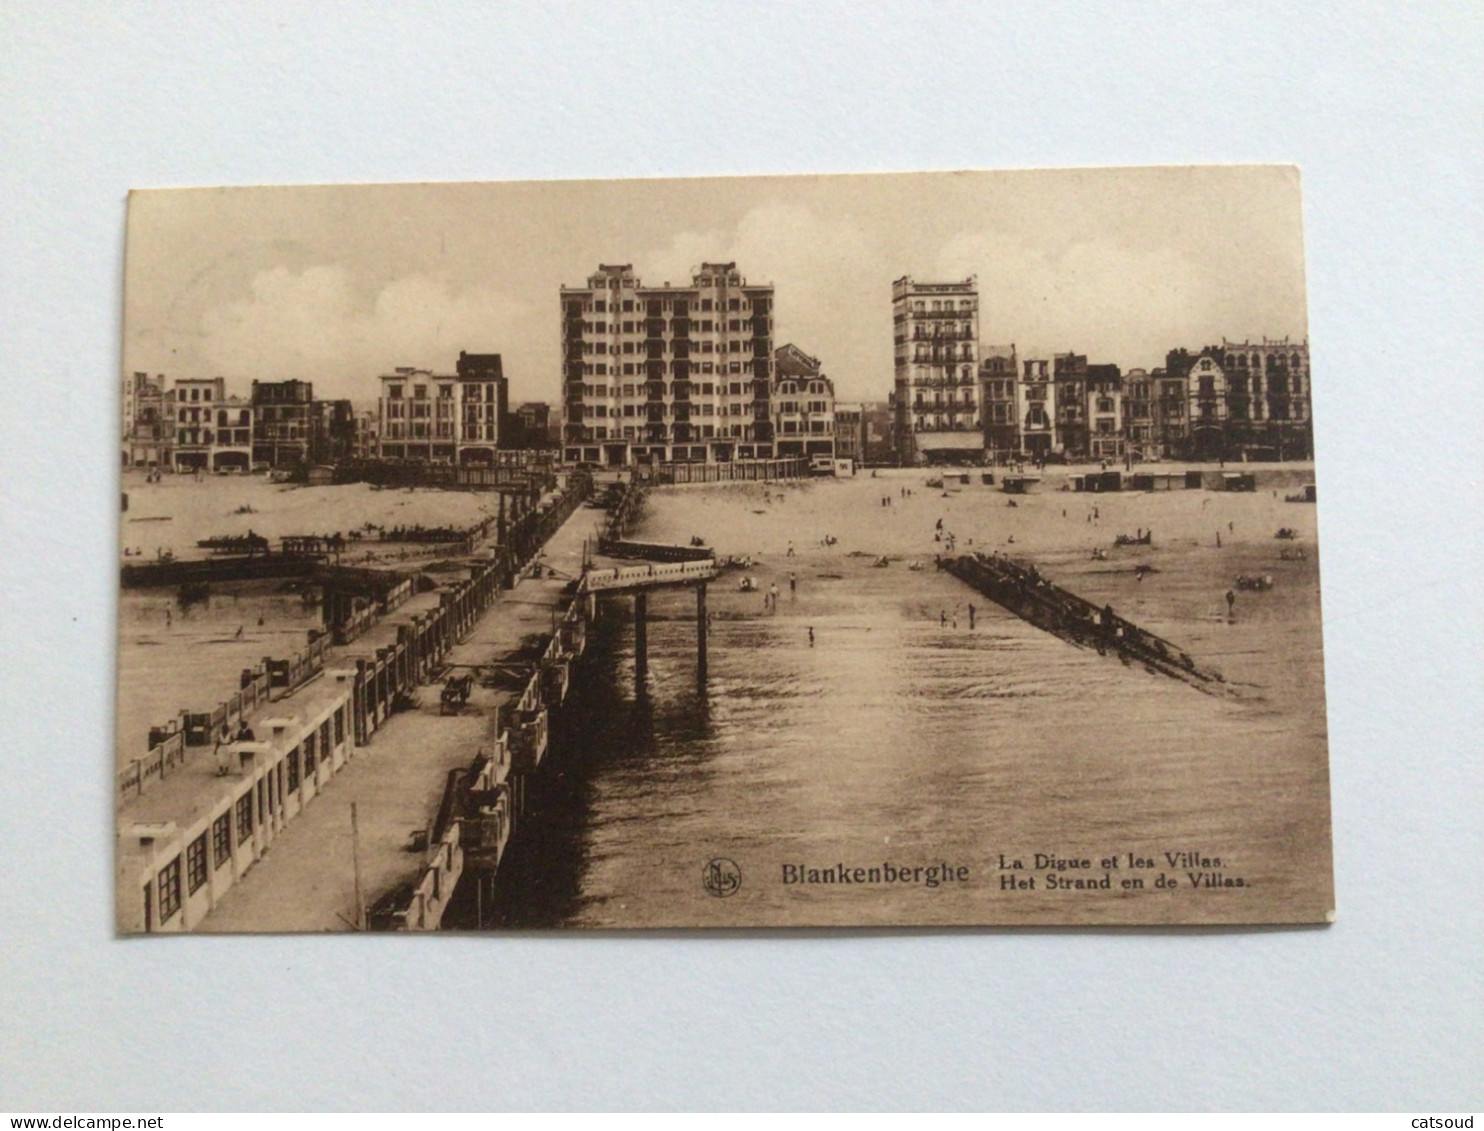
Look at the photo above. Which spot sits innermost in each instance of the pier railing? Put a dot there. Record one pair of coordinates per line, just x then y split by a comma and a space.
432, 634
793, 467
168, 744
656, 573
486, 815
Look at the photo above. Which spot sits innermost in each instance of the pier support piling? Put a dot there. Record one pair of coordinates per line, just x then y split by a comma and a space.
701, 634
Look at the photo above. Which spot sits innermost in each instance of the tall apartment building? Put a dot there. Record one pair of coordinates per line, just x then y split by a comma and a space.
443, 417
999, 384
803, 405
657, 374
936, 335
212, 431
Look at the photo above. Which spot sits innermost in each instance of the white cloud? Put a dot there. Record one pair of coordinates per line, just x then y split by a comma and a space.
826, 272
1125, 305
315, 325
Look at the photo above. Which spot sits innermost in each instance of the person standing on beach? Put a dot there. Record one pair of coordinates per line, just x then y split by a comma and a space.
971, 615
1231, 605
773, 595
811, 636
793, 584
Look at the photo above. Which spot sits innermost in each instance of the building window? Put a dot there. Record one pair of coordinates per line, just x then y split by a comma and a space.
196, 864
244, 817
293, 769
169, 887
221, 839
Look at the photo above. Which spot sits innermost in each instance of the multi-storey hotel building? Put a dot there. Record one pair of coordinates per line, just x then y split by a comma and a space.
936, 335
661, 374
212, 431
443, 417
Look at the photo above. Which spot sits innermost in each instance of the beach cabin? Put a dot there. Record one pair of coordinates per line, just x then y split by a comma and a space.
1157, 481
1239, 481
1098, 482
1018, 484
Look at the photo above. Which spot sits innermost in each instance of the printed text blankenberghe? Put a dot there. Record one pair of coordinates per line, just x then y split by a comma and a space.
923, 875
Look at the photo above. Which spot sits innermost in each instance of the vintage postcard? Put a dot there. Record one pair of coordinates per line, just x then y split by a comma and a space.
867, 551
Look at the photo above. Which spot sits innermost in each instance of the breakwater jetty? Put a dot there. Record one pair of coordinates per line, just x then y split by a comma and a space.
1025, 592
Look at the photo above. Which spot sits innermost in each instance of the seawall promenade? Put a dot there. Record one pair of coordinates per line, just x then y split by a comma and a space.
205, 822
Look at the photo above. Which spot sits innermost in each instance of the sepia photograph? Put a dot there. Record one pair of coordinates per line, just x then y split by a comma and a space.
879, 551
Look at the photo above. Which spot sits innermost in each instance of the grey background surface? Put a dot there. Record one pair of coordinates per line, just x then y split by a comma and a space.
1379, 104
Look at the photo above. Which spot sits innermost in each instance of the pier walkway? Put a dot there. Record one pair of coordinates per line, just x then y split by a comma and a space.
307, 880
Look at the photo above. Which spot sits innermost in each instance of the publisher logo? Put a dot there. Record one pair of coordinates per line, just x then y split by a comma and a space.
721, 877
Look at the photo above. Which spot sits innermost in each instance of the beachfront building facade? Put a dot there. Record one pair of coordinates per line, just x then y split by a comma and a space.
451, 418
669, 373
1268, 412
1138, 415
1238, 401
482, 403
406, 415
282, 422
533, 426
803, 405
999, 386
368, 435
878, 433
148, 437
1036, 406
332, 431
1069, 381
1105, 438
1171, 412
935, 329
212, 431
849, 440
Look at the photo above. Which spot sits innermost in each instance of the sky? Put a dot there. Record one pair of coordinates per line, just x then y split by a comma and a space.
338, 284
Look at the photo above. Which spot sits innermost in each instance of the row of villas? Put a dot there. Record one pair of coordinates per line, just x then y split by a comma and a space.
1232, 401
194, 424
957, 401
